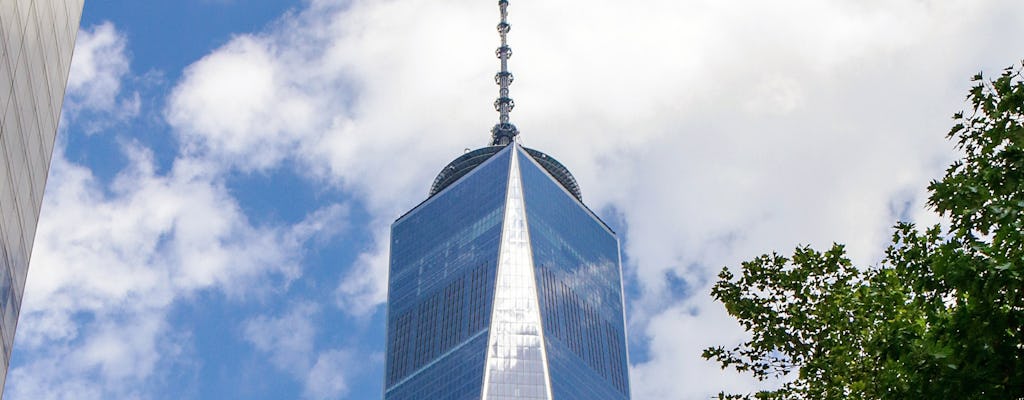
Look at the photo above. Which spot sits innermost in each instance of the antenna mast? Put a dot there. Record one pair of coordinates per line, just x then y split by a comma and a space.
504, 132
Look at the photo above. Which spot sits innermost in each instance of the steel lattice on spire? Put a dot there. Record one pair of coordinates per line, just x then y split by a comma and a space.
503, 132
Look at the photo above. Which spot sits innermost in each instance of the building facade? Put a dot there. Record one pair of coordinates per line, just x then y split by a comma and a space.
504, 285
38, 37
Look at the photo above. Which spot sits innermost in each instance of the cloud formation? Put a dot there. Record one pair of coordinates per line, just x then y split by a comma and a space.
111, 258
99, 66
120, 256
290, 341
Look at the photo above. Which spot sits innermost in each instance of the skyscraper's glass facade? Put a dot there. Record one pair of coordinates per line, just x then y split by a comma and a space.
503, 285
36, 41
576, 259
444, 255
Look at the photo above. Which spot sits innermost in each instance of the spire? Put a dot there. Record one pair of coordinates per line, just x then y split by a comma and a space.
503, 132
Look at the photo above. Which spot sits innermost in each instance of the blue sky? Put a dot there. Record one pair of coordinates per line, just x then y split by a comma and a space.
216, 215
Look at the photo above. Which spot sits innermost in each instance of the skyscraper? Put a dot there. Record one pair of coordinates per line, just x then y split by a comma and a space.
503, 284
37, 39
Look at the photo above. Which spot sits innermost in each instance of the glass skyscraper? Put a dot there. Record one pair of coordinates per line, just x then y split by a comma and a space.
504, 285
38, 37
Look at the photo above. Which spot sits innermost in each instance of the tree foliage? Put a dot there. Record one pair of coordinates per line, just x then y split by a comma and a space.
942, 316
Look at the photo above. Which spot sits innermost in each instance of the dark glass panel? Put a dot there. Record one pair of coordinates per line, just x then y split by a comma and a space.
577, 264
441, 282
456, 376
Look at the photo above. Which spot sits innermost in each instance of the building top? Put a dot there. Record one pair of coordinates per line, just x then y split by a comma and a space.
504, 132
472, 159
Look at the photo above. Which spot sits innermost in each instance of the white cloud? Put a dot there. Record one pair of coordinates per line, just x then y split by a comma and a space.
289, 341
327, 378
111, 259
98, 69
109, 262
363, 288
242, 104
677, 337
348, 107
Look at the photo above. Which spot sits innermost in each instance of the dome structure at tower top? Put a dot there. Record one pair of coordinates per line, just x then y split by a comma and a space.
472, 159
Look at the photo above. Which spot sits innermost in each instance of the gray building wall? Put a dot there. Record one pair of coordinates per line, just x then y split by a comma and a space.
36, 41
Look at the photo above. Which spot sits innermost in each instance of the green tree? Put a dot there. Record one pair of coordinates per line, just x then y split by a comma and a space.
942, 316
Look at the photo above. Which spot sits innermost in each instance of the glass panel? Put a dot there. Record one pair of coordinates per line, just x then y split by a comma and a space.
516, 368
444, 254
577, 267
456, 376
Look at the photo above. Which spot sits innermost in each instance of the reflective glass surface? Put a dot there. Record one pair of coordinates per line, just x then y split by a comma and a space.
455, 376
576, 259
36, 40
444, 255
504, 286
516, 367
